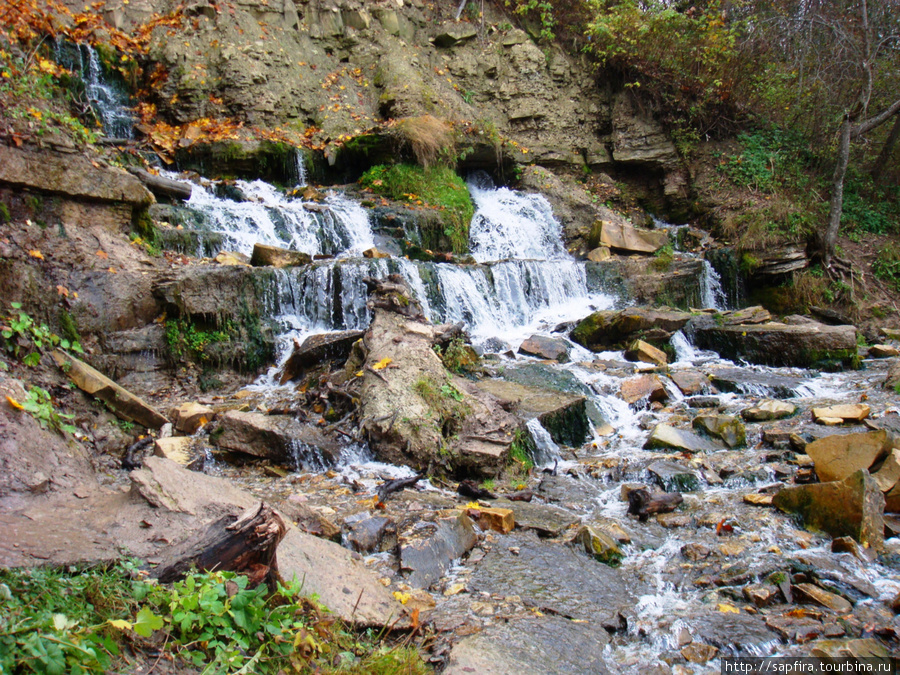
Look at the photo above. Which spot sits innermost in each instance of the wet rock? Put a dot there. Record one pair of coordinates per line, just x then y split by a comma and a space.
768, 409
545, 519
674, 477
191, 416
812, 593
855, 412
555, 577
368, 535
697, 652
427, 558
756, 499
746, 381
374, 254
761, 595
795, 629
703, 401
837, 457
497, 519
177, 449
609, 329
554, 349
733, 634
695, 551
272, 256
724, 427
747, 315
627, 239
232, 259
888, 474
122, 402
545, 645
865, 648
882, 351
648, 387
316, 349
563, 415
646, 353
853, 507
778, 344
691, 383
776, 436
600, 545
665, 437
280, 438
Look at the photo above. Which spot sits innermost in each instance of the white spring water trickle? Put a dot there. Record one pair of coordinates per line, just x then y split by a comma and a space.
711, 294
546, 452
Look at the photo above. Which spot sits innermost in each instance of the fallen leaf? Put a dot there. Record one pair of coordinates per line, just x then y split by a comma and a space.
34, 253
102, 254
381, 365
62, 290
112, 270
14, 403
728, 609
402, 597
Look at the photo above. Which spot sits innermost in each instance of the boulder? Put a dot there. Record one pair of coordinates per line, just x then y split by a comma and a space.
665, 437
882, 351
888, 473
374, 254
175, 448
745, 380
674, 477
316, 349
190, 416
599, 545
853, 507
812, 345
307, 519
626, 238
273, 256
232, 259
563, 415
853, 412
122, 402
724, 427
768, 409
646, 353
554, 349
498, 519
427, 557
279, 438
838, 456
369, 534
690, 382
747, 315
615, 329
648, 387
599, 254
545, 519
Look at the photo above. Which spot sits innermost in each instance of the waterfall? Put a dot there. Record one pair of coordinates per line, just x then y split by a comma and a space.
711, 294
266, 216
298, 175
109, 101
545, 450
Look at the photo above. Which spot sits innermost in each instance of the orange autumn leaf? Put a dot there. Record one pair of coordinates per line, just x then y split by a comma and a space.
34, 253
112, 270
14, 403
102, 254
62, 290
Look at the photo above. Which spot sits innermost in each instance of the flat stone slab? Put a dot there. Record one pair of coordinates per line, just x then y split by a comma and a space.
838, 456
553, 577
545, 519
665, 437
745, 381
532, 646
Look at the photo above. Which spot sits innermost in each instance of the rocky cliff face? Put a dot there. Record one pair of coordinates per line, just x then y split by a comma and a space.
336, 68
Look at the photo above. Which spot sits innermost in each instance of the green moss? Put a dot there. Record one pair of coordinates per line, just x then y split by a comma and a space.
521, 450
187, 341
438, 192
68, 327
5, 216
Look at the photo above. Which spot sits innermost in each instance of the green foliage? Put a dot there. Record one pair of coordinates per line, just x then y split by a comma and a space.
542, 9
55, 621
887, 266
685, 60
21, 333
663, 258
39, 405
458, 357
438, 190
869, 207
519, 451
187, 341
769, 159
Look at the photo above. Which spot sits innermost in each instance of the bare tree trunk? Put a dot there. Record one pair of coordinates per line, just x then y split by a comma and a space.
829, 239
878, 166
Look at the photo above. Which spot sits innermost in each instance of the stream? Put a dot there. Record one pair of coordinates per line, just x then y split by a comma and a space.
682, 576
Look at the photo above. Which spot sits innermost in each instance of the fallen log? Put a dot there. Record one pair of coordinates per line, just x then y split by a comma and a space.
163, 187
468, 488
642, 503
396, 485
245, 544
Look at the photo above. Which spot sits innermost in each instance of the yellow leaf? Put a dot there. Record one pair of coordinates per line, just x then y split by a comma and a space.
120, 624
359, 373
473, 505
381, 365
728, 609
34, 253
14, 403
401, 597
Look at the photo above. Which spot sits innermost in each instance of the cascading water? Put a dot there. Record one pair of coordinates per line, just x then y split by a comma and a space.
109, 101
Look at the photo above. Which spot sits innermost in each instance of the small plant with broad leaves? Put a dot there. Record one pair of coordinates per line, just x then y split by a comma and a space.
26, 339
39, 404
